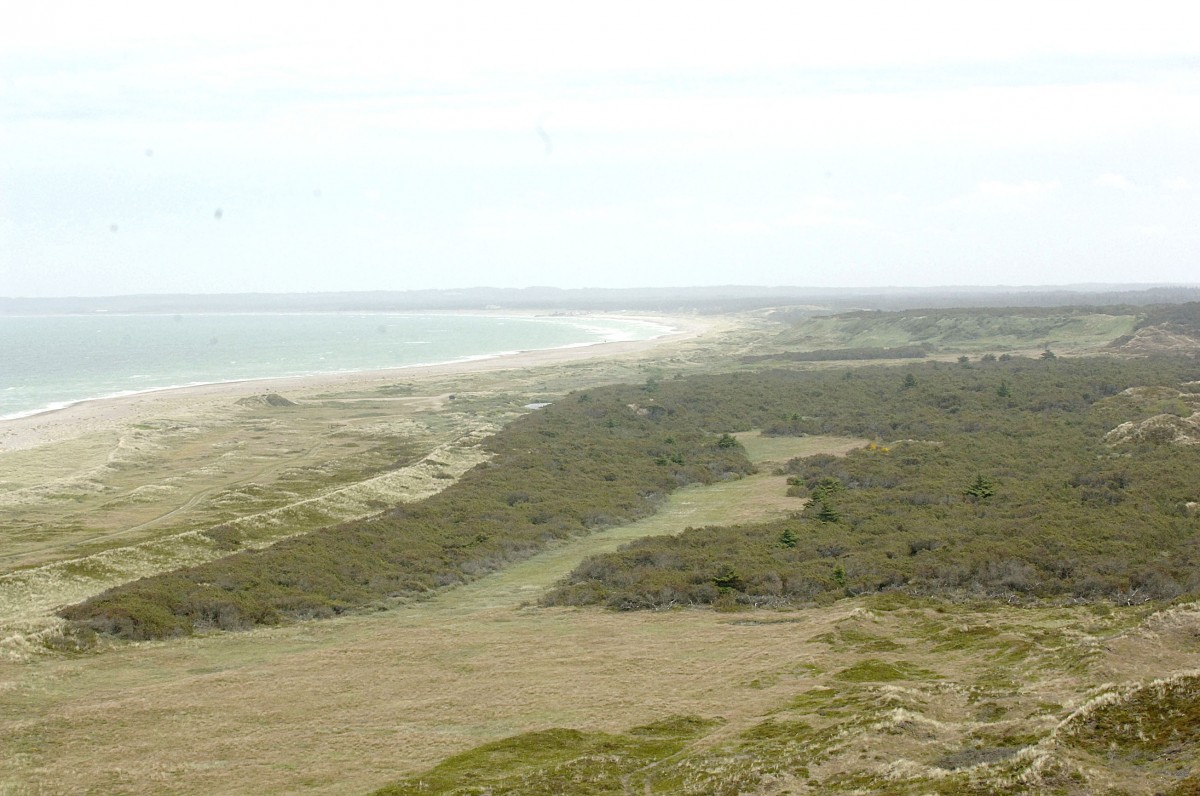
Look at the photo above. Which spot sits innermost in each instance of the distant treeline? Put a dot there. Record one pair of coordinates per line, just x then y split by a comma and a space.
840, 354
988, 479
1183, 317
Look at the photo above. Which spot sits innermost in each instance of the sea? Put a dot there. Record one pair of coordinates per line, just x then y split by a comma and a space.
51, 361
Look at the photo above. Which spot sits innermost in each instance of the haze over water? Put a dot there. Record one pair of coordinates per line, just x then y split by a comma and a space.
47, 362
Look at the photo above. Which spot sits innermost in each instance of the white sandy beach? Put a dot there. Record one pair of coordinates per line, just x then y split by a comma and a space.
91, 416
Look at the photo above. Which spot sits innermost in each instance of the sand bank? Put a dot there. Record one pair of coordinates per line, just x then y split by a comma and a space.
96, 415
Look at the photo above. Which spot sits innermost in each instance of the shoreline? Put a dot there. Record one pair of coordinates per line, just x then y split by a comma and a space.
660, 325
91, 415
592, 322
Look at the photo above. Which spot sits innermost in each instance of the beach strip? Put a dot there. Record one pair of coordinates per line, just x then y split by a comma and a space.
89, 416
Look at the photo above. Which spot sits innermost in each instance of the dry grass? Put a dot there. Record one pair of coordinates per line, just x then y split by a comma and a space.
370, 697
344, 706
29, 597
201, 469
774, 451
347, 705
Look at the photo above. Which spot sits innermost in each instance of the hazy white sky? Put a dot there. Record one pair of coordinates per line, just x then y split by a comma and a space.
290, 146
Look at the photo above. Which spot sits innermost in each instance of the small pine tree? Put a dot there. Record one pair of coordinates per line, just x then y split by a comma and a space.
788, 538
828, 513
727, 441
910, 381
727, 579
1003, 391
825, 487
839, 576
981, 488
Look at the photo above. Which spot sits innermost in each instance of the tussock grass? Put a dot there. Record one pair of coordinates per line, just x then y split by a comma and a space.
1144, 722
874, 670
546, 761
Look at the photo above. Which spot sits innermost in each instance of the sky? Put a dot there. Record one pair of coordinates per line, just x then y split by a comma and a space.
218, 147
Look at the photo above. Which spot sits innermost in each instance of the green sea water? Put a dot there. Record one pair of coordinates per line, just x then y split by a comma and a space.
51, 361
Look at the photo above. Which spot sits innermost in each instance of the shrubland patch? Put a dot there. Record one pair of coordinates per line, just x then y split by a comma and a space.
968, 493
978, 493
594, 460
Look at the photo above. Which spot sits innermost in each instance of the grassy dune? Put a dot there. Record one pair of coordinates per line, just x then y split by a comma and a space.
160, 477
964, 331
304, 468
893, 697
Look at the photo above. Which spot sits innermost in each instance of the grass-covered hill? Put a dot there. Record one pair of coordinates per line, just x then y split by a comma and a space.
878, 726
1184, 318
1169, 329
963, 330
1026, 479
1135, 330
1059, 510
